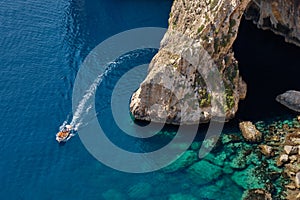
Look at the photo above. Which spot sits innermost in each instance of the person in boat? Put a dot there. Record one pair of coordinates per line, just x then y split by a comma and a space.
68, 127
64, 132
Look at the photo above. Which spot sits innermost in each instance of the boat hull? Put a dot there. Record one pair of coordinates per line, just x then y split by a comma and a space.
60, 139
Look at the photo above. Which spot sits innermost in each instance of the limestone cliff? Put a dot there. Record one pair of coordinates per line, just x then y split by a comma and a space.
282, 17
201, 27
196, 55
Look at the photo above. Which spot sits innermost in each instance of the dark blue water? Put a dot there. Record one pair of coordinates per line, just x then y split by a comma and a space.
42, 45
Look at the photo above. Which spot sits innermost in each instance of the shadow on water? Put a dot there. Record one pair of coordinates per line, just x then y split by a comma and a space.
269, 66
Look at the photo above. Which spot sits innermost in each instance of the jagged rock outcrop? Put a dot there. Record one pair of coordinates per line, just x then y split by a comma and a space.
290, 99
257, 194
249, 132
195, 76
282, 17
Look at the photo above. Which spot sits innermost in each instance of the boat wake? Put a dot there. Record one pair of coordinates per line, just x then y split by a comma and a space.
84, 107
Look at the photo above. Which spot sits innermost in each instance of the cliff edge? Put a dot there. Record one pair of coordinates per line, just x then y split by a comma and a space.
195, 76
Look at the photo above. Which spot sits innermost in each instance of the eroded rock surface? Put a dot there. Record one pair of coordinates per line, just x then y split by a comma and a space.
290, 99
194, 76
281, 17
180, 88
257, 194
249, 132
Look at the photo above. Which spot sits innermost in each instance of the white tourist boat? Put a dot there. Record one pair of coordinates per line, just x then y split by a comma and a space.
65, 134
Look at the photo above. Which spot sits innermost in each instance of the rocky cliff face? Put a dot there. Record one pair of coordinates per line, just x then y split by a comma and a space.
282, 17
196, 47
195, 76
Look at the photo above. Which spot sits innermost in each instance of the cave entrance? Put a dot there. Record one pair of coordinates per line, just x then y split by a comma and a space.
269, 66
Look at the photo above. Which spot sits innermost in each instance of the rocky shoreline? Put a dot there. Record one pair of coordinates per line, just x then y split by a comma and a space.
260, 162
277, 147
275, 156
263, 159
178, 90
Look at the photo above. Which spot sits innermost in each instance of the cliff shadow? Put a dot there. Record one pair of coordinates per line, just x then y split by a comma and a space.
269, 66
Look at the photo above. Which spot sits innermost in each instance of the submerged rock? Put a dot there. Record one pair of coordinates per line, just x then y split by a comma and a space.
240, 160
141, 190
185, 160
195, 146
113, 194
216, 159
257, 194
230, 138
203, 172
249, 132
180, 196
290, 99
248, 178
223, 189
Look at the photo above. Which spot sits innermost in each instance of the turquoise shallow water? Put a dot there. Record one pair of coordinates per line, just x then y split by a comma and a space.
42, 46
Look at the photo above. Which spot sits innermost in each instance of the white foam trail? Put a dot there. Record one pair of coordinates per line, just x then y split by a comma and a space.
86, 97
63, 125
77, 115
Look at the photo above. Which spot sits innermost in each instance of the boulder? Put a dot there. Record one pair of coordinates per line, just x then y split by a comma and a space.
292, 168
257, 194
297, 179
250, 133
293, 139
290, 186
293, 158
290, 150
266, 150
290, 99
292, 195
203, 172
283, 158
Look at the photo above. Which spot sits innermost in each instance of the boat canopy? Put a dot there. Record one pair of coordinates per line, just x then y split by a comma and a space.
68, 126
